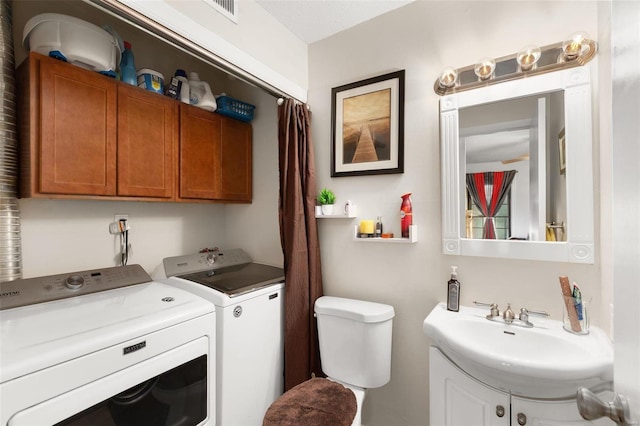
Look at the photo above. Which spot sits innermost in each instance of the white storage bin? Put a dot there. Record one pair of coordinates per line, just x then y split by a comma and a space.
79, 42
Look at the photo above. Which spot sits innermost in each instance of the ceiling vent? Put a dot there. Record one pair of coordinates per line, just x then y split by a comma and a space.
228, 8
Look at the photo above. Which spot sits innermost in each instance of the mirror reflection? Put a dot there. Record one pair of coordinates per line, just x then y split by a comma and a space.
513, 169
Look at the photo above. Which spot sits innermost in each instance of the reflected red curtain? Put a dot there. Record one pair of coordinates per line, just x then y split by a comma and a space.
299, 239
488, 191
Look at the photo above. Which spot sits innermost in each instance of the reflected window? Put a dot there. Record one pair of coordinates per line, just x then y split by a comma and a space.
476, 220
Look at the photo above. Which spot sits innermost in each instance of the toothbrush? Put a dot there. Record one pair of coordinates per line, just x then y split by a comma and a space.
577, 294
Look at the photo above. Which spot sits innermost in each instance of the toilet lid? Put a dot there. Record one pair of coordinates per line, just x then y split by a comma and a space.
357, 310
317, 401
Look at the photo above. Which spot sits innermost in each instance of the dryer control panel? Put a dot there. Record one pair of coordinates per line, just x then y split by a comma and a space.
53, 287
208, 261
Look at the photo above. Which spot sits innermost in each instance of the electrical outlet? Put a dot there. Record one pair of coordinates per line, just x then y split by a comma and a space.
117, 227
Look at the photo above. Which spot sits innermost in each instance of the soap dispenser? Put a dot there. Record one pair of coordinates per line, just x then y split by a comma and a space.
453, 291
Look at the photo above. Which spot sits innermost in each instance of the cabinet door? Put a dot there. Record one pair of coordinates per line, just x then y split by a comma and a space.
528, 412
236, 161
147, 136
456, 399
77, 130
199, 154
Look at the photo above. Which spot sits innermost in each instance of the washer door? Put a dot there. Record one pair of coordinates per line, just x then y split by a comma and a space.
169, 389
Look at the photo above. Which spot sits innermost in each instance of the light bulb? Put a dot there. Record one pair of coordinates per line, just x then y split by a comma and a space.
484, 68
527, 57
448, 78
575, 46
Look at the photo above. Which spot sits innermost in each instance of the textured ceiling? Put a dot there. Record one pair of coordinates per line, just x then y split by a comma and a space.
313, 20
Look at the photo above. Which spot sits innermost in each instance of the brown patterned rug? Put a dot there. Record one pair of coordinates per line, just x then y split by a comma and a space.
316, 402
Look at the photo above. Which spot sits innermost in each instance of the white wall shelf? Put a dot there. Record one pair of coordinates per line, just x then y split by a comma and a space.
349, 212
413, 237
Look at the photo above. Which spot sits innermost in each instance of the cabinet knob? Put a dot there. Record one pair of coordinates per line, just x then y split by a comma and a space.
522, 419
500, 411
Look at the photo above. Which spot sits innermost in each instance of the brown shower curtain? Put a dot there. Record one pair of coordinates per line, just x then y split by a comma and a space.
299, 239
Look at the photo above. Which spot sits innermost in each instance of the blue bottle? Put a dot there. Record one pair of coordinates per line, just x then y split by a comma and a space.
127, 66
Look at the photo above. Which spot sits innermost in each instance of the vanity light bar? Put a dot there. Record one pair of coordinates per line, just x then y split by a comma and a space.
530, 60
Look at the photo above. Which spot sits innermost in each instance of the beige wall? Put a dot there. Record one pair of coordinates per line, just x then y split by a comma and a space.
423, 38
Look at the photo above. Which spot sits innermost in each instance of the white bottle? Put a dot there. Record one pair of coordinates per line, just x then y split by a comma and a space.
200, 94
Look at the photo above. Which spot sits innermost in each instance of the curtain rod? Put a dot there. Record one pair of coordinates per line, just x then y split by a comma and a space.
280, 101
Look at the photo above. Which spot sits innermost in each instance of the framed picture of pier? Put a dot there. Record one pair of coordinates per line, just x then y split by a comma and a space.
367, 124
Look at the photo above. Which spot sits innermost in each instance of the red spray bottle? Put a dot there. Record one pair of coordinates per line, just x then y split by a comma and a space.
406, 215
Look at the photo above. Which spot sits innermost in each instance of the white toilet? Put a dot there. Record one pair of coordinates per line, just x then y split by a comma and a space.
355, 350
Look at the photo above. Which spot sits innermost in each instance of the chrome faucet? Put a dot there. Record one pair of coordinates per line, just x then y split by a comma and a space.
508, 316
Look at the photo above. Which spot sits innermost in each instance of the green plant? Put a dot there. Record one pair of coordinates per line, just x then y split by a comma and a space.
326, 196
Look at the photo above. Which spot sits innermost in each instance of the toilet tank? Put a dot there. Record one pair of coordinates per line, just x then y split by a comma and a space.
355, 340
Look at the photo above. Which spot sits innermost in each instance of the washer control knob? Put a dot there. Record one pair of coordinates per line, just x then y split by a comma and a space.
74, 282
211, 259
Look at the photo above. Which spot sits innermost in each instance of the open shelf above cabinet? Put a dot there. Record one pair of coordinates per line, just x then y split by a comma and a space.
413, 237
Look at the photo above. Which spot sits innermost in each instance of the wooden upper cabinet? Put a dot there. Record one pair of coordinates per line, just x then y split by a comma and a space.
215, 156
84, 135
236, 163
147, 136
199, 154
77, 129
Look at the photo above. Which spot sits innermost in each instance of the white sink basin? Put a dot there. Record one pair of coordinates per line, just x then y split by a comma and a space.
543, 361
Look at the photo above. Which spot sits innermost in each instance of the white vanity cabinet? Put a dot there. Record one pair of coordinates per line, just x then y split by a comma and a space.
457, 399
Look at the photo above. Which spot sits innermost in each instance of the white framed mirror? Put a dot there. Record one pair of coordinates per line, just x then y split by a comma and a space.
517, 169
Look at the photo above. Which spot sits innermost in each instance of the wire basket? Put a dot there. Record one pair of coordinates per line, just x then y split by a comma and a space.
234, 108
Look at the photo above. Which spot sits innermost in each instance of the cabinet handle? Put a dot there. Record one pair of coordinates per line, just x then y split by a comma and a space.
499, 411
522, 419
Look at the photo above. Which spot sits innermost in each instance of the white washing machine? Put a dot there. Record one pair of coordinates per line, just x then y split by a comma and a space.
105, 347
249, 326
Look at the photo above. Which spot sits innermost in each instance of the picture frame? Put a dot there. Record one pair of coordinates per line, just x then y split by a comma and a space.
562, 149
367, 125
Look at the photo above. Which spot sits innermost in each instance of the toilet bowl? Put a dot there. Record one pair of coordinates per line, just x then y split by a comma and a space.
355, 352
359, 394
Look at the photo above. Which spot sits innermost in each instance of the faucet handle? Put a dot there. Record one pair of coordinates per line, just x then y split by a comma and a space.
524, 314
495, 312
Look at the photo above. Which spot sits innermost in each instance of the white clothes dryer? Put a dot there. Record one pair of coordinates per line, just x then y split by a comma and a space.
108, 347
249, 327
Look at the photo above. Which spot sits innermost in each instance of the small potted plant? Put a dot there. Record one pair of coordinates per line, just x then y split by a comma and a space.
326, 198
